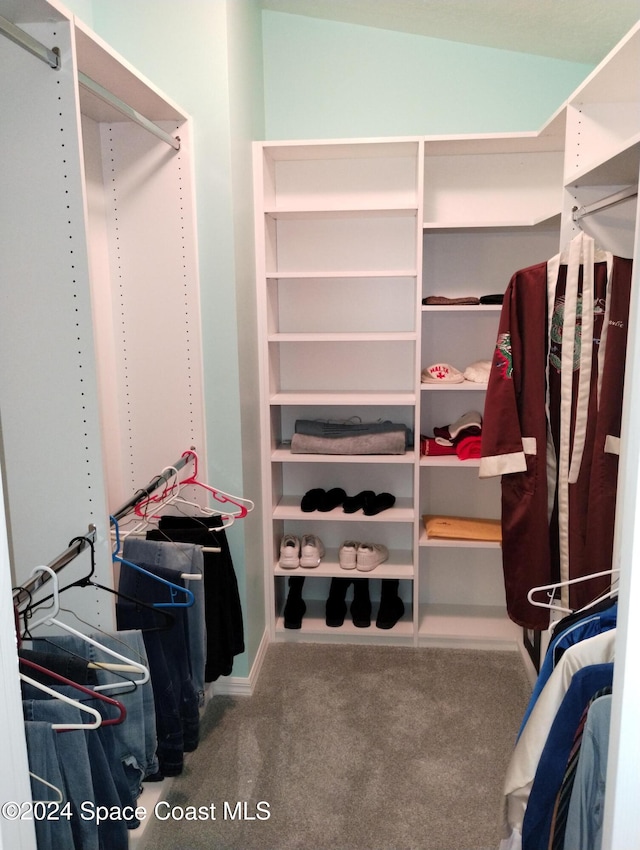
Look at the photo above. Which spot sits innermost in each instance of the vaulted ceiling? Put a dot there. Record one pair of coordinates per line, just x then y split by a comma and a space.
576, 30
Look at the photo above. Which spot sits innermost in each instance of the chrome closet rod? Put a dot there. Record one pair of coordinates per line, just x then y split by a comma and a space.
19, 36
156, 482
604, 203
112, 99
24, 593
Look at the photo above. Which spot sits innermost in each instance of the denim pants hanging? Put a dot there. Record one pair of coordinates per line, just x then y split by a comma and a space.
175, 698
43, 762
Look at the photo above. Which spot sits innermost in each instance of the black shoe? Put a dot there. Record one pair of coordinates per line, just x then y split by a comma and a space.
361, 605
312, 499
356, 503
379, 503
332, 499
295, 607
336, 607
391, 606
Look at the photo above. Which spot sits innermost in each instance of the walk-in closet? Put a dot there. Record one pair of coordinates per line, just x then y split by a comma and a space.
299, 399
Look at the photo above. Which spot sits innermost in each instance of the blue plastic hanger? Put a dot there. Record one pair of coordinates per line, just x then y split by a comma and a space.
174, 589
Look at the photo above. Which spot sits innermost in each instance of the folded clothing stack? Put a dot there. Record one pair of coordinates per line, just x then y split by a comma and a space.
462, 528
444, 301
462, 438
317, 436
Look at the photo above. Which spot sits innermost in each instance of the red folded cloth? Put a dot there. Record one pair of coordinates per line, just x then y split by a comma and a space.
469, 447
429, 446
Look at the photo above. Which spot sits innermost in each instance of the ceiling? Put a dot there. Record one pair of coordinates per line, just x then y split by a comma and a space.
576, 30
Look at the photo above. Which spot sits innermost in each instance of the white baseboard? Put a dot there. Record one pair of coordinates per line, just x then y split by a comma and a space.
240, 685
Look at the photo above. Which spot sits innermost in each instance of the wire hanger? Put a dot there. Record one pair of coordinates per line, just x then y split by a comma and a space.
63, 680
89, 581
173, 588
551, 588
51, 619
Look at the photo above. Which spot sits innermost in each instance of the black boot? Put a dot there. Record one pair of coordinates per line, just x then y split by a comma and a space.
391, 606
336, 607
295, 607
361, 605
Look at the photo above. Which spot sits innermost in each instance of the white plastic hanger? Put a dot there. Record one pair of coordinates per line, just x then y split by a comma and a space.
50, 619
551, 588
63, 698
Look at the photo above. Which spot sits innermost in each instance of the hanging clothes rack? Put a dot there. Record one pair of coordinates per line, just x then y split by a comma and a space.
50, 56
24, 593
145, 492
605, 203
113, 100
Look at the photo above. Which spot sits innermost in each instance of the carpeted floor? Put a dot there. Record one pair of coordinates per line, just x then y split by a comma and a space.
353, 748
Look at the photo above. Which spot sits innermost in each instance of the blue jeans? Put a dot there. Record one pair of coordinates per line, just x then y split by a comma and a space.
43, 761
135, 740
185, 558
176, 702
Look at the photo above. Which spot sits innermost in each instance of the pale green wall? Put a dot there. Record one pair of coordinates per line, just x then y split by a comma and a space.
331, 80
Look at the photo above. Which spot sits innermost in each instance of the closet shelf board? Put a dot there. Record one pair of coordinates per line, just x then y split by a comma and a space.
345, 397
450, 460
476, 627
337, 211
466, 386
619, 167
494, 143
541, 222
343, 337
358, 273
314, 626
284, 455
399, 565
461, 308
341, 149
289, 508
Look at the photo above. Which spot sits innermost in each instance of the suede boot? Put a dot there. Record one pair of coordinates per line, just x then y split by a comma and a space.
361, 605
336, 607
391, 606
295, 607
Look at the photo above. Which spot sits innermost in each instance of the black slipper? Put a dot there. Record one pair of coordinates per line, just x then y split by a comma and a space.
312, 499
379, 503
355, 503
332, 499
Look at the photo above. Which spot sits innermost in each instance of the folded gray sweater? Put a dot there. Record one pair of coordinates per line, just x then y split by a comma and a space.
390, 443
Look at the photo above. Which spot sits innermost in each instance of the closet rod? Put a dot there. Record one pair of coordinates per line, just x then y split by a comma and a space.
156, 482
129, 111
22, 38
23, 593
604, 203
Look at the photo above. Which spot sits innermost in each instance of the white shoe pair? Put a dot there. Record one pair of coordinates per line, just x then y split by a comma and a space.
361, 556
295, 553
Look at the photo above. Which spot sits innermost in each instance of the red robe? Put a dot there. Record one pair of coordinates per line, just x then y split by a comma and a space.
522, 428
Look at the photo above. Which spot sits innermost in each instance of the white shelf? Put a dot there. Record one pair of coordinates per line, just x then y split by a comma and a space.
457, 544
449, 461
461, 308
399, 565
283, 454
467, 386
617, 167
337, 211
542, 221
476, 627
288, 507
344, 397
305, 274
314, 627
342, 337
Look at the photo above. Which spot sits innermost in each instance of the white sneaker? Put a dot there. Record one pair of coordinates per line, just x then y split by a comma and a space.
311, 551
289, 552
369, 555
347, 554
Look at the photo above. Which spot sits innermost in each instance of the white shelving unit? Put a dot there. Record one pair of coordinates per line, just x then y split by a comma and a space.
351, 235
339, 255
492, 206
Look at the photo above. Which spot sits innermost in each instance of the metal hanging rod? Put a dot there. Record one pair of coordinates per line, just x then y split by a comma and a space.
24, 593
125, 109
19, 36
156, 482
604, 203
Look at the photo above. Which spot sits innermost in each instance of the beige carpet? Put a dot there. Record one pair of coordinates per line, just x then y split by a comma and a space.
353, 748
